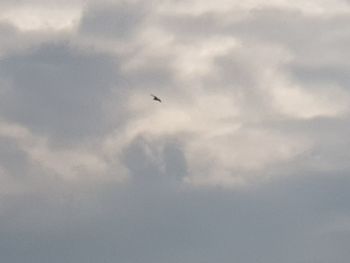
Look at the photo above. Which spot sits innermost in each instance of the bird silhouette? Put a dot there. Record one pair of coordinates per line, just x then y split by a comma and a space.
156, 98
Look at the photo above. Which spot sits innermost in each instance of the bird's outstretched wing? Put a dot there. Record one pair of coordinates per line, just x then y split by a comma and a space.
156, 98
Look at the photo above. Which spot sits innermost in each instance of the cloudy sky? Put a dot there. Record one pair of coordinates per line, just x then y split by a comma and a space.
246, 160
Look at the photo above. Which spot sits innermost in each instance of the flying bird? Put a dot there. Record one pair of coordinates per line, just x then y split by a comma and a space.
156, 98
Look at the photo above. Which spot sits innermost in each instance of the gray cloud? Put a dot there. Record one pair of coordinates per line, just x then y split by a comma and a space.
57, 90
152, 160
283, 220
245, 160
119, 21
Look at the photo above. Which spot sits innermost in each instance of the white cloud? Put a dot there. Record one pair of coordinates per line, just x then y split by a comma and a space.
298, 102
47, 15
68, 164
312, 7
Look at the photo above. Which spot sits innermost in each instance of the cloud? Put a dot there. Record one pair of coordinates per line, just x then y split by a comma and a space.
216, 89
160, 222
57, 91
311, 7
119, 20
41, 15
244, 160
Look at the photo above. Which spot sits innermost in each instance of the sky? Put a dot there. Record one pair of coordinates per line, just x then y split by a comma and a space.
245, 160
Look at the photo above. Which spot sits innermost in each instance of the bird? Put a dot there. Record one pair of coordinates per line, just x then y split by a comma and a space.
156, 98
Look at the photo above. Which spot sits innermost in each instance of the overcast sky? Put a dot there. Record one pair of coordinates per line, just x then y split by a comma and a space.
246, 159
